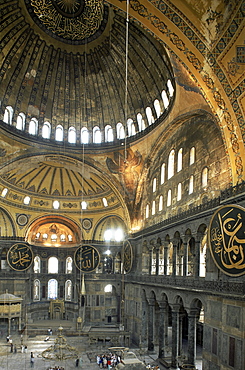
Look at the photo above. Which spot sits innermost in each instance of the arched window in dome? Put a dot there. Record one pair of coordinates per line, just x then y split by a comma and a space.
149, 115
109, 137
165, 99
84, 204
37, 265
56, 204
84, 135
96, 135
104, 200
160, 206
170, 88
140, 122
4, 192
147, 211
20, 123
53, 265
68, 290
52, 289
163, 168
180, 158
204, 177
171, 164
27, 200
154, 185
131, 127
120, 131
169, 198
46, 130
69, 265
179, 191
192, 155
59, 133
8, 115
33, 126
153, 208
72, 135
157, 107
191, 184
36, 290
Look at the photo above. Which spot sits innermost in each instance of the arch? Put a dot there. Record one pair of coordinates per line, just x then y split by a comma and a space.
59, 133
84, 135
20, 122
72, 135
171, 163
120, 131
157, 108
36, 290
53, 265
33, 126
52, 289
8, 115
96, 135
68, 290
149, 115
109, 135
112, 228
37, 265
46, 130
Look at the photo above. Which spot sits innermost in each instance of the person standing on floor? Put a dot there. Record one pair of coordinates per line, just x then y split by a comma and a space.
32, 359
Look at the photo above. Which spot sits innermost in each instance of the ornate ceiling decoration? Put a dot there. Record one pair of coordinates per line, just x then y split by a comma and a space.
70, 19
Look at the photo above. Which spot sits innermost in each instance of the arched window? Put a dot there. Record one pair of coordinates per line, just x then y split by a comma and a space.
131, 127
140, 122
154, 185
72, 135
52, 289
68, 290
171, 164
160, 206
153, 209
8, 115
180, 158
36, 290
59, 133
27, 200
53, 265
68, 265
33, 126
165, 99
4, 192
37, 265
109, 137
192, 155
96, 135
84, 135
163, 167
179, 191
84, 205
147, 211
46, 130
20, 123
170, 88
120, 131
104, 200
149, 116
204, 177
157, 108
169, 198
191, 184
56, 204
108, 288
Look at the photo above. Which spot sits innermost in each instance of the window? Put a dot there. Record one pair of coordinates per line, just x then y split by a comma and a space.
56, 204
140, 122
165, 99
46, 130
84, 205
179, 191
204, 177
192, 155
157, 108
171, 164
147, 211
120, 131
163, 167
109, 137
72, 135
59, 133
131, 127
53, 265
180, 157
8, 115
37, 265
68, 290
149, 116
153, 209
52, 289
170, 88
27, 200
160, 207
36, 290
96, 135
33, 126
4, 192
104, 200
108, 288
84, 135
68, 265
154, 185
20, 124
191, 184
169, 198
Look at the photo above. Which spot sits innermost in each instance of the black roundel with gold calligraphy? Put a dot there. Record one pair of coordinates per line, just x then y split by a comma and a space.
227, 239
87, 258
127, 257
20, 257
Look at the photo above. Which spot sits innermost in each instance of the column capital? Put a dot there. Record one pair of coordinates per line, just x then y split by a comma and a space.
162, 304
151, 301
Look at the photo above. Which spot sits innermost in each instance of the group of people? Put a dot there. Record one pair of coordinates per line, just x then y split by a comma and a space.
107, 361
56, 368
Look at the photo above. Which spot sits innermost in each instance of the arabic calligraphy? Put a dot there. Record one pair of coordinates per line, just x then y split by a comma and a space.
87, 258
20, 257
227, 239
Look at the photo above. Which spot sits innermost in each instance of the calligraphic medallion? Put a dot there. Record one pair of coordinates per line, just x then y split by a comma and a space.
127, 256
227, 239
87, 258
20, 257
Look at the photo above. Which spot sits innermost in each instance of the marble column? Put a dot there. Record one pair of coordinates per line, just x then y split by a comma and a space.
175, 336
150, 258
197, 258
185, 257
192, 337
175, 245
165, 258
151, 306
157, 259
162, 328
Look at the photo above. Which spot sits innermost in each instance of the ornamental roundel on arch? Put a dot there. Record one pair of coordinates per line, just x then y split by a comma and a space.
227, 239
